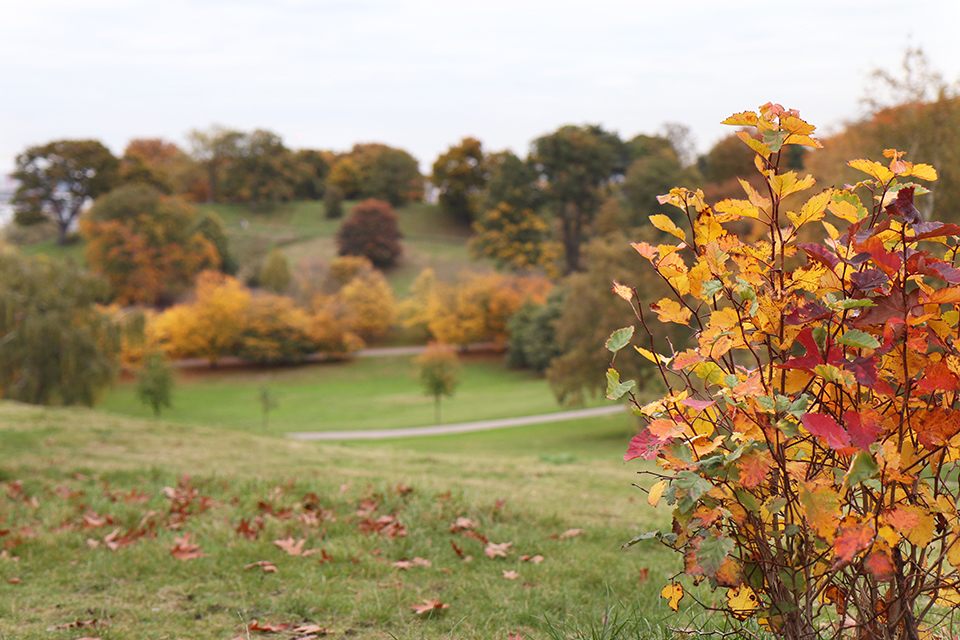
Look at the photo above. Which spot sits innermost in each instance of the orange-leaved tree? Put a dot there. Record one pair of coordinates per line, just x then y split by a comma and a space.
808, 441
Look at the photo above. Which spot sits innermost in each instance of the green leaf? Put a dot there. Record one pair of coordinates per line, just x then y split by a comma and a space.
788, 428
766, 404
615, 388
861, 468
640, 538
799, 406
858, 339
619, 339
856, 304
712, 552
709, 371
712, 288
747, 500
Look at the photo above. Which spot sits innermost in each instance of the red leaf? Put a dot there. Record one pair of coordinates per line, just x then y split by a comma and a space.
880, 565
644, 445
852, 538
937, 377
824, 426
864, 427
888, 261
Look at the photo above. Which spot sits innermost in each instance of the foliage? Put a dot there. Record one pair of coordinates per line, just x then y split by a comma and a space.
343, 269
512, 181
807, 436
460, 174
371, 231
155, 383
312, 168
575, 162
275, 330
655, 169
533, 336
275, 273
147, 245
515, 239
474, 309
56, 346
378, 171
438, 370
163, 166
369, 308
210, 226
58, 179
333, 202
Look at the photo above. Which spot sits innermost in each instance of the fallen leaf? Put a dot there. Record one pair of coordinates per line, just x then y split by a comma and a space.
429, 607
310, 628
644, 572
570, 533
462, 524
79, 624
266, 565
257, 626
516, 636
14, 580
510, 575
324, 557
291, 546
184, 550
537, 559
498, 549
386, 585
401, 564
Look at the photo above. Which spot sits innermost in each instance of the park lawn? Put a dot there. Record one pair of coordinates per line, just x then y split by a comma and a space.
365, 393
73, 482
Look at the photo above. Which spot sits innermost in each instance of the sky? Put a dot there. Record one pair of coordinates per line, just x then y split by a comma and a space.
423, 74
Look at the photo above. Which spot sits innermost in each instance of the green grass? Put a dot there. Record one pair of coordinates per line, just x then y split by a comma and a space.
72, 463
73, 251
366, 393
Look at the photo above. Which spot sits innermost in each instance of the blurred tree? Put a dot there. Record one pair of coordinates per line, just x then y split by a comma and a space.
215, 149
438, 369
275, 331
313, 167
460, 174
516, 239
211, 227
511, 181
146, 244
333, 202
56, 345
264, 172
345, 176
163, 166
58, 179
655, 170
275, 274
375, 170
369, 307
371, 231
533, 336
575, 163
155, 383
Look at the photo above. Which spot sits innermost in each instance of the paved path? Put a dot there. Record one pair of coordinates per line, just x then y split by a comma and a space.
463, 427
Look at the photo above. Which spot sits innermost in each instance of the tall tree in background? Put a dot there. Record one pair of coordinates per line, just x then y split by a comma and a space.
374, 170
371, 231
215, 149
58, 179
656, 168
460, 174
263, 172
576, 162
147, 245
163, 166
313, 167
57, 346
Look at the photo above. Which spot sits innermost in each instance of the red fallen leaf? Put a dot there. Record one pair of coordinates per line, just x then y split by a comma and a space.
93, 520
266, 565
826, 427
255, 625
14, 580
401, 564
537, 559
402, 490
324, 557
429, 607
457, 550
498, 549
499, 504
643, 573
184, 550
310, 628
473, 535
516, 636
366, 508
136, 497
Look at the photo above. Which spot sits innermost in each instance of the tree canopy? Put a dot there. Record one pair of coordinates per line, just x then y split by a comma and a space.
460, 174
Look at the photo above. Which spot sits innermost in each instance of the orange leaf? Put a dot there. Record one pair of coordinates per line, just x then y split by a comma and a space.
852, 538
880, 563
753, 467
671, 311
429, 606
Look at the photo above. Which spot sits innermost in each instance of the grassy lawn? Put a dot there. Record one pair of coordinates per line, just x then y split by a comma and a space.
97, 511
366, 393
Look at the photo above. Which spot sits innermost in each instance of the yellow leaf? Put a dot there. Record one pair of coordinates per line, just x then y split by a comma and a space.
742, 119
623, 291
673, 592
785, 184
651, 356
706, 229
754, 144
953, 553
871, 168
813, 209
754, 196
821, 507
735, 209
724, 319
671, 311
922, 171
743, 602
653, 498
665, 224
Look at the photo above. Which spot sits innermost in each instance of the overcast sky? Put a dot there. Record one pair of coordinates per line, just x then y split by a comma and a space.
420, 74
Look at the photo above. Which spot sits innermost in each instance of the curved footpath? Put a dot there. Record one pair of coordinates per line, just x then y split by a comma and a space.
463, 427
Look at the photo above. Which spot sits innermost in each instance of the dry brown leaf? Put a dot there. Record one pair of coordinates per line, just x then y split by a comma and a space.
429, 607
570, 533
291, 546
266, 565
537, 559
184, 550
498, 549
255, 625
510, 575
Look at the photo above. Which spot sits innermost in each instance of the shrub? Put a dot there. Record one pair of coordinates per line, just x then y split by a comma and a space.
275, 330
275, 273
807, 436
371, 231
343, 269
533, 335
333, 202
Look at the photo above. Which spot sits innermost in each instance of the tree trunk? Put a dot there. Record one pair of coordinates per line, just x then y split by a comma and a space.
436, 408
571, 238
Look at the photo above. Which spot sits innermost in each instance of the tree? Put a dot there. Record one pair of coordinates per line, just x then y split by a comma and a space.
438, 369
56, 345
653, 172
369, 307
333, 202
460, 174
58, 179
275, 273
163, 166
155, 383
371, 231
275, 330
147, 245
512, 181
313, 167
533, 336
575, 163
215, 150
210, 226
378, 171
516, 239
262, 171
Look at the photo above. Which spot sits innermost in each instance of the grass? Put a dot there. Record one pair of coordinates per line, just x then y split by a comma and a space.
70, 477
366, 393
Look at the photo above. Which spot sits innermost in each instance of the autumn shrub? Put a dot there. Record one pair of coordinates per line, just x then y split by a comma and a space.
369, 306
371, 231
275, 273
809, 439
275, 330
343, 269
